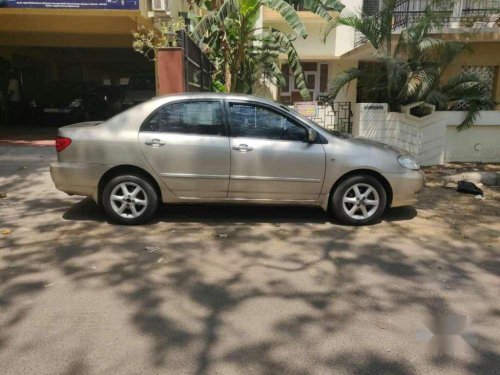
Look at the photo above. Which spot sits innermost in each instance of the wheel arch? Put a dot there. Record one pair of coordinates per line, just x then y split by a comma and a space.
126, 169
356, 172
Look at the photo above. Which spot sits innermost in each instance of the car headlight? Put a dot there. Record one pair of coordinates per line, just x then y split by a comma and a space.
408, 161
75, 103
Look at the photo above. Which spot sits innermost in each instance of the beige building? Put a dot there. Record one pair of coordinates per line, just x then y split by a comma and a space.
476, 21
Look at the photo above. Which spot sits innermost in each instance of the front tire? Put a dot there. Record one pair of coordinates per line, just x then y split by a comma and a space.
129, 199
359, 200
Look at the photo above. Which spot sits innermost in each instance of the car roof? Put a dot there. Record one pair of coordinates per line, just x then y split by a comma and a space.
216, 95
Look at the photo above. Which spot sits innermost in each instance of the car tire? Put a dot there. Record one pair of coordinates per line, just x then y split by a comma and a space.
129, 199
359, 200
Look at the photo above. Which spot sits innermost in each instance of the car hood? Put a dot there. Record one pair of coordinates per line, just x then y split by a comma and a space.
375, 144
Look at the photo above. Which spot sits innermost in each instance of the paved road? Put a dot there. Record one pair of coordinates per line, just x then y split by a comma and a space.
285, 292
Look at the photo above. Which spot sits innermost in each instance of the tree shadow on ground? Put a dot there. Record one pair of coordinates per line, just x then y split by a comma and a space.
286, 298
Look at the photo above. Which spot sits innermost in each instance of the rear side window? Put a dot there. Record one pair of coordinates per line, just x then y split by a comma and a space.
248, 120
193, 117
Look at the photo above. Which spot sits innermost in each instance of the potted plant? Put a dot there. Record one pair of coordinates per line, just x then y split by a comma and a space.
149, 39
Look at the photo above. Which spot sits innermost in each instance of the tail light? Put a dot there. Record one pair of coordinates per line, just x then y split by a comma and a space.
62, 143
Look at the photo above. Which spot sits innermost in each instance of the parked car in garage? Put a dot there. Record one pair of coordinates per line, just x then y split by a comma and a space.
218, 148
69, 102
140, 88
113, 96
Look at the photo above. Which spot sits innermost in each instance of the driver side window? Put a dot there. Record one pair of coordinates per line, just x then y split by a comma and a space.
248, 120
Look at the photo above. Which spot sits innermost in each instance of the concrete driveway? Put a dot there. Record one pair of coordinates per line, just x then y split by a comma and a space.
241, 290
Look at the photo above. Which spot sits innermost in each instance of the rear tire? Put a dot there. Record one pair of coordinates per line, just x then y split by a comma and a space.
359, 200
129, 199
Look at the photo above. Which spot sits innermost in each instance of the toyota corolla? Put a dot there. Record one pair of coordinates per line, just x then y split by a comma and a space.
221, 148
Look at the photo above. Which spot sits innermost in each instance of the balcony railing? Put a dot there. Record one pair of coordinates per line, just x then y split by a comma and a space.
458, 13
297, 4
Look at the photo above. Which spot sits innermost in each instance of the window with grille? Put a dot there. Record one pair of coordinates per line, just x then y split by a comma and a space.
486, 73
371, 7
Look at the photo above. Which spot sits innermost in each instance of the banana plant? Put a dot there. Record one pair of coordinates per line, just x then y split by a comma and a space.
245, 53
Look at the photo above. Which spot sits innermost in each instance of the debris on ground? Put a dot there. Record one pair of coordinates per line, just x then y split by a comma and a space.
151, 249
6, 232
451, 185
3, 195
449, 171
221, 235
48, 285
487, 178
479, 196
159, 260
469, 188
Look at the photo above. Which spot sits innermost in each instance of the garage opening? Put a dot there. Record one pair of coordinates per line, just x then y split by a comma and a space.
57, 86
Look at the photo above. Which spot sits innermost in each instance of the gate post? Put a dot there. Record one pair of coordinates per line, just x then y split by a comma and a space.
170, 71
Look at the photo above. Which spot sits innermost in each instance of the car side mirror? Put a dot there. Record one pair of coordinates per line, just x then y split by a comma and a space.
311, 136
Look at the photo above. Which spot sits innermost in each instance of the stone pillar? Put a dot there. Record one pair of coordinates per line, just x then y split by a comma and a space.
170, 77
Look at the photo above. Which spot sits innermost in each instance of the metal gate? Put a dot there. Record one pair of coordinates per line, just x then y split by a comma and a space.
198, 68
334, 116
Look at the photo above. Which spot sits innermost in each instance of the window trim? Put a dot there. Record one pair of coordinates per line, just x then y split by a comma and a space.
228, 102
225, 127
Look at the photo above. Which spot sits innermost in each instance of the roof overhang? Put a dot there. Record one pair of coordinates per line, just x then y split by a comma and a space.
68, 27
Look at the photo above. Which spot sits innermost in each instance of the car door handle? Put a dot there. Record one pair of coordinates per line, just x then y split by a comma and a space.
155, 142
242, 148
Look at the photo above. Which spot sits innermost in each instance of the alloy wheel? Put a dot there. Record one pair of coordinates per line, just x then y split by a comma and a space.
361, 201
129, 200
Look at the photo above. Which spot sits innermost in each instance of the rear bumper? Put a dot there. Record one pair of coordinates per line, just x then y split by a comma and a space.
405, 187
77, 178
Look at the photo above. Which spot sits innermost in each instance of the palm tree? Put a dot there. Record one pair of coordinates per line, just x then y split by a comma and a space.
244, 53
411, 70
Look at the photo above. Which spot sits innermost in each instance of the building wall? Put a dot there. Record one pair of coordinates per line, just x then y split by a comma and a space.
344, 35
481, 143
482, 54
433, 139
313, 46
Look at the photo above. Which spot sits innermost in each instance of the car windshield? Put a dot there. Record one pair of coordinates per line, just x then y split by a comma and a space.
142, 83
308, 120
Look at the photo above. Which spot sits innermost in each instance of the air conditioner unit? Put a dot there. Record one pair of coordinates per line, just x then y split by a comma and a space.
160, 5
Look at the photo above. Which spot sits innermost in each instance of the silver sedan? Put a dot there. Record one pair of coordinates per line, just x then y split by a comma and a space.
217, 148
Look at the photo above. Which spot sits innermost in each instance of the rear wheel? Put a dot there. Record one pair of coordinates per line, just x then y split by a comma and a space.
129, 199
359, 200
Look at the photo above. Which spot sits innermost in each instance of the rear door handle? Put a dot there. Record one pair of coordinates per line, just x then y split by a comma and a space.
242, 148
155, 142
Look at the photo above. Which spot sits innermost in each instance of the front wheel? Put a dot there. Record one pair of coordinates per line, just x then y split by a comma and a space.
129, 199
359, 200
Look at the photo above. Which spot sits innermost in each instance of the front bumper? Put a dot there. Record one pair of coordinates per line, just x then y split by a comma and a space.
77, 178
405, 187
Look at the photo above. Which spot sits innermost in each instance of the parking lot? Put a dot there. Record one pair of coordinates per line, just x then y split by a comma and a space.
231, 289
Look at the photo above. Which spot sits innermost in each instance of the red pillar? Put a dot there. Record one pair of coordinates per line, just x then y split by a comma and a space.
170, 71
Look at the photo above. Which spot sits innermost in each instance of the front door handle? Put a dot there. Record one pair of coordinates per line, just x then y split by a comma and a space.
154, 142
242, 148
